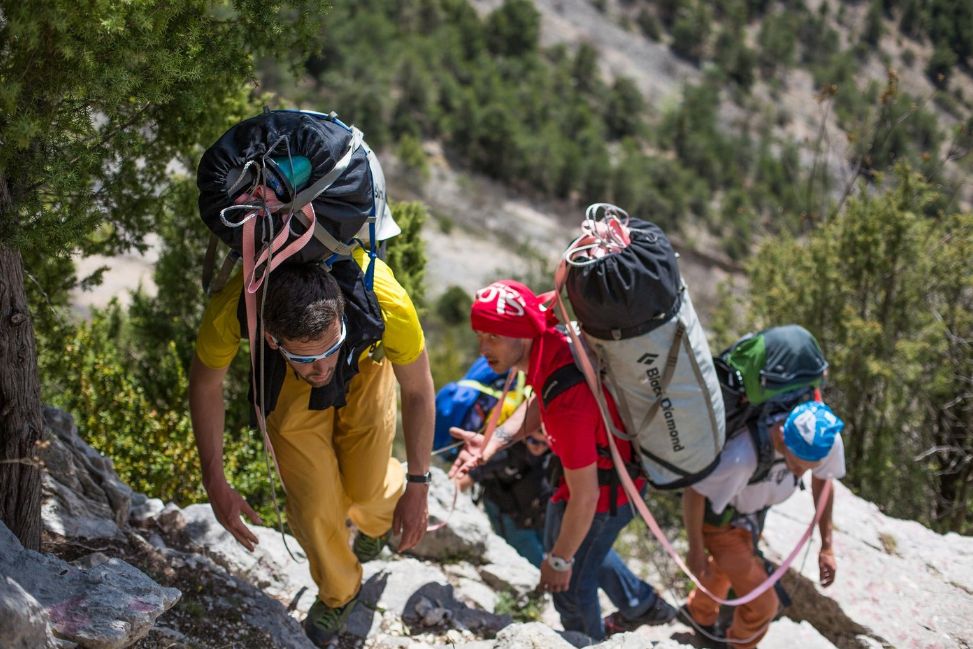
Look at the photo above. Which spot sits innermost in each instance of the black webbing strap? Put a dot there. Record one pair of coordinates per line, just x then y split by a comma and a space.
209, 261
564, 377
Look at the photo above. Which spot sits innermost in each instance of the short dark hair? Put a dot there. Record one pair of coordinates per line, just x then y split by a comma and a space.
303, 300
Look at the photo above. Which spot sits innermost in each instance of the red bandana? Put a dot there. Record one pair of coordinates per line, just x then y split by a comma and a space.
508, 308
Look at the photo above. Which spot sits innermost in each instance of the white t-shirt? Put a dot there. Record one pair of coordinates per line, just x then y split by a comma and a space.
727, 484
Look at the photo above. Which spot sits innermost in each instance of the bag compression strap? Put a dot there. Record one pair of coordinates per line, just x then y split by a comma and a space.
671, 361
209, 261
216, 284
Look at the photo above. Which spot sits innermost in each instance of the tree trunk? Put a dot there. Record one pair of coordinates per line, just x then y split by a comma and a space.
21, 423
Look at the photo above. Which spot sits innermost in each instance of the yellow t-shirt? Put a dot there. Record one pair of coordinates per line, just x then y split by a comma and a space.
219, 333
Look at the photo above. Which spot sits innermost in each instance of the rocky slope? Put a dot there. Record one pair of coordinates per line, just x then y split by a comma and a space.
119, 569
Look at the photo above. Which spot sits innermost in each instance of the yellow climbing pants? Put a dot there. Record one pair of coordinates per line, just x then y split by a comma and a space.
337, 464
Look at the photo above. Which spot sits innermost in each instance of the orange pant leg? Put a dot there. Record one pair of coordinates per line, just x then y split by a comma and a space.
701, 606
731, 549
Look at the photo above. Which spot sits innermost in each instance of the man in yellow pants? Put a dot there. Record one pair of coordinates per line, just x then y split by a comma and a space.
333, 353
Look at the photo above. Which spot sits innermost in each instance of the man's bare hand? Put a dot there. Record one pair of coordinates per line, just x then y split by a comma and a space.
553, 581
696, 561
827, 567
411, 515
472, 453
228, 506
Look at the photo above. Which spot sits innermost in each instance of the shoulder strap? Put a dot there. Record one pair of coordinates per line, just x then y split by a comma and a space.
671, 360
558, 381
764, 448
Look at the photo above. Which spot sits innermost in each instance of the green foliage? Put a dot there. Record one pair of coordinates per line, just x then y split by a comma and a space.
735, 58
137, 418
887, 288
524, 609
410, 153
908, 57
623, 114
691, 31
896, 127
114, 94
947, 24
406, 254
513, 29
776, 41
99, 104
940, 66
872, 31
453, 306
649, 24
452, 349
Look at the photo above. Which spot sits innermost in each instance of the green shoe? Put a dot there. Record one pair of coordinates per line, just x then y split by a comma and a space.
324, 623
367, 548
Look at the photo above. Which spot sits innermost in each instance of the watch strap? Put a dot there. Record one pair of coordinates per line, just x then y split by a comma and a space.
559, 564
422, 478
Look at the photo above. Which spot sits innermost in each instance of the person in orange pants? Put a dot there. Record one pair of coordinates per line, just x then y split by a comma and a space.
724, 516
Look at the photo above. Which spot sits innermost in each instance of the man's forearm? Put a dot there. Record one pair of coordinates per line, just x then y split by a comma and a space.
418, 412
825, 525
525, 419
418, 423
693, 510
580, 510
208, 412
578, 515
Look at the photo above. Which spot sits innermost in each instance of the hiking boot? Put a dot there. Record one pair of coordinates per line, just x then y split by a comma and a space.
659, 613
324, 623
711, 633
367, 547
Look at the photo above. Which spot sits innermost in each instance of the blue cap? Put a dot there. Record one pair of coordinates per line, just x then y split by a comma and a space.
810, 430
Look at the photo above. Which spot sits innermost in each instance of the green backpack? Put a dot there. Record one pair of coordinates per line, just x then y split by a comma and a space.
762, 377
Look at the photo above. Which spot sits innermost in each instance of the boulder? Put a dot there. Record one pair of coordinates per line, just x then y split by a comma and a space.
83, 497
506, 569
464, 537
269, 567
102, 603
24, 623
419, 595
533, 635
144, 510
898, 583
244, 611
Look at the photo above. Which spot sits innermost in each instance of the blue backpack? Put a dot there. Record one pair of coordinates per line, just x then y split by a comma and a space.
467, 403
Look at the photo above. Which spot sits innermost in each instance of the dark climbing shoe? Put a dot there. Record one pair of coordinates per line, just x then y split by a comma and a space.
324, 623
659, 613
712, 634
367, 547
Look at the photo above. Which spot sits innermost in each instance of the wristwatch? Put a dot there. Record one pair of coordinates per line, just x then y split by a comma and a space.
424, 478
559, 564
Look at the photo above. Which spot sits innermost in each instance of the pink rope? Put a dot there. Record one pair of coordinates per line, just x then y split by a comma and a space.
277, 253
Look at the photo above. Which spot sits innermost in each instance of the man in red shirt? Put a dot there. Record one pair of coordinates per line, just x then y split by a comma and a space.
582, 520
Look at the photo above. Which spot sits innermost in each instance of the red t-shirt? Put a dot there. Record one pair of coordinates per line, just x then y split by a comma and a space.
572, 421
